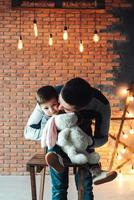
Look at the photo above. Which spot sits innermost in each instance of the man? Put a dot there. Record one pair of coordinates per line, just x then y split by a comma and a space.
90, 104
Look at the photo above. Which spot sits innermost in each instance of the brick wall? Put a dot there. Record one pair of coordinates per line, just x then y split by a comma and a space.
23, 72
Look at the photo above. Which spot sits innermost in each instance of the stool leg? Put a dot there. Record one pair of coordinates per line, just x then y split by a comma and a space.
33, 183
42, 183
80, 186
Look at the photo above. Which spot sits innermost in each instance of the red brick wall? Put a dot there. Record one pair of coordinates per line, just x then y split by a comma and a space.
23, 72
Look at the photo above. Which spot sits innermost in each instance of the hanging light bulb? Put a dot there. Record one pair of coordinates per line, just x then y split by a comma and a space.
35, 27
96, 37
20, 43
65, 33
123, 150
81, 47
35, 23
50, 39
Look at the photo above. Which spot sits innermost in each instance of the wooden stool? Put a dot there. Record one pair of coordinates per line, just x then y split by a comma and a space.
37, 164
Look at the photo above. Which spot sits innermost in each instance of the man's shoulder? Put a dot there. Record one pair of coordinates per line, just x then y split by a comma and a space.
99, 96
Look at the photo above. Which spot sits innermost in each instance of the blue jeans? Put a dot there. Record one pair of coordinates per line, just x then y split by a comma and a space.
60, 181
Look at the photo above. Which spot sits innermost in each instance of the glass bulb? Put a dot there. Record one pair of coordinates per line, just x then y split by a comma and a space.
125, 136
20, 43
132, 169
81, 47
130, 99
119, 157
96, 37
131, 131
65, 33
50, 39
123, 150
35, 28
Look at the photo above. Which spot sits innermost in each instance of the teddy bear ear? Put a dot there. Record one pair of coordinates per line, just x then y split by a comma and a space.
65, 120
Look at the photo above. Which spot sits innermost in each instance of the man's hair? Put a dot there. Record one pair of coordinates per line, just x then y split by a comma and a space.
77, 92
45, 94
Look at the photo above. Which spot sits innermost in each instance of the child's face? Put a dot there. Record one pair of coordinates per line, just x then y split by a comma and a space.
51, 107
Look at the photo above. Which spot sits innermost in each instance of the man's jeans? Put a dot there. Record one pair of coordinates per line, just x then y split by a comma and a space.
60, 181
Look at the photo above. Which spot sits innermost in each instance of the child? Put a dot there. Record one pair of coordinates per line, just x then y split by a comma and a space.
47, 99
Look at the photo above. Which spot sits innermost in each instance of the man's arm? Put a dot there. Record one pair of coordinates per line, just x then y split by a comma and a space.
102, 123
35, 124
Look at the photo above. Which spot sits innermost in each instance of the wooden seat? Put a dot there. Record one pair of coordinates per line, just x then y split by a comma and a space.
37, 164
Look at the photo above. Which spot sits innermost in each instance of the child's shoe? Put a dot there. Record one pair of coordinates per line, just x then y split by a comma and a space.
55, 161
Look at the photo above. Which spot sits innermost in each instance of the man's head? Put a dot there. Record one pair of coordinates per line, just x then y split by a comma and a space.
75, 95
47, 98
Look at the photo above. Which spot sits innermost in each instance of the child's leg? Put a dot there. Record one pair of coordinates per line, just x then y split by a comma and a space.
54, 158
100, 176
55, 161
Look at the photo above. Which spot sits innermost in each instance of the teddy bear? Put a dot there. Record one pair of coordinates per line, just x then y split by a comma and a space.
63, 130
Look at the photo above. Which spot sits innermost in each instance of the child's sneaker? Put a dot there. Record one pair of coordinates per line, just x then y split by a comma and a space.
104, 177
55, 161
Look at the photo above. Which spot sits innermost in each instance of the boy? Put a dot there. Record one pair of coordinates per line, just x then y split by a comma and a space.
47, 105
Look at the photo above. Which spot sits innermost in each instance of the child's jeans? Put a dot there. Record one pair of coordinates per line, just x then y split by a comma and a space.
60, 180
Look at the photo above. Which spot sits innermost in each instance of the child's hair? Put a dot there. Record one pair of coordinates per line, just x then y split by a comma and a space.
45, 94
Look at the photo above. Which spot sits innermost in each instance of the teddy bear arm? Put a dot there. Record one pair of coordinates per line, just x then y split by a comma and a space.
75, 157
93, 158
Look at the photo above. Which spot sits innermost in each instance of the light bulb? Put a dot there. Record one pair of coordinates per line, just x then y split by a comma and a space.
132, 169
81, 47
123, 150
124, 91
120, 177
96, 37
119, 157
125, 136
65, 33
20, 43
130, 99
131, 131
35, 27
50, 39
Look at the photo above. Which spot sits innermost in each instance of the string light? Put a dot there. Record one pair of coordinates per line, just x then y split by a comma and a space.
132, 169
20, 41
123, 150
119, 157
124, 91
35, 23
125, 136
130, 99
131, 131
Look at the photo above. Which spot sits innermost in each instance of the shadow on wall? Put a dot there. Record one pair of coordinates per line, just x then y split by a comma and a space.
124, 74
